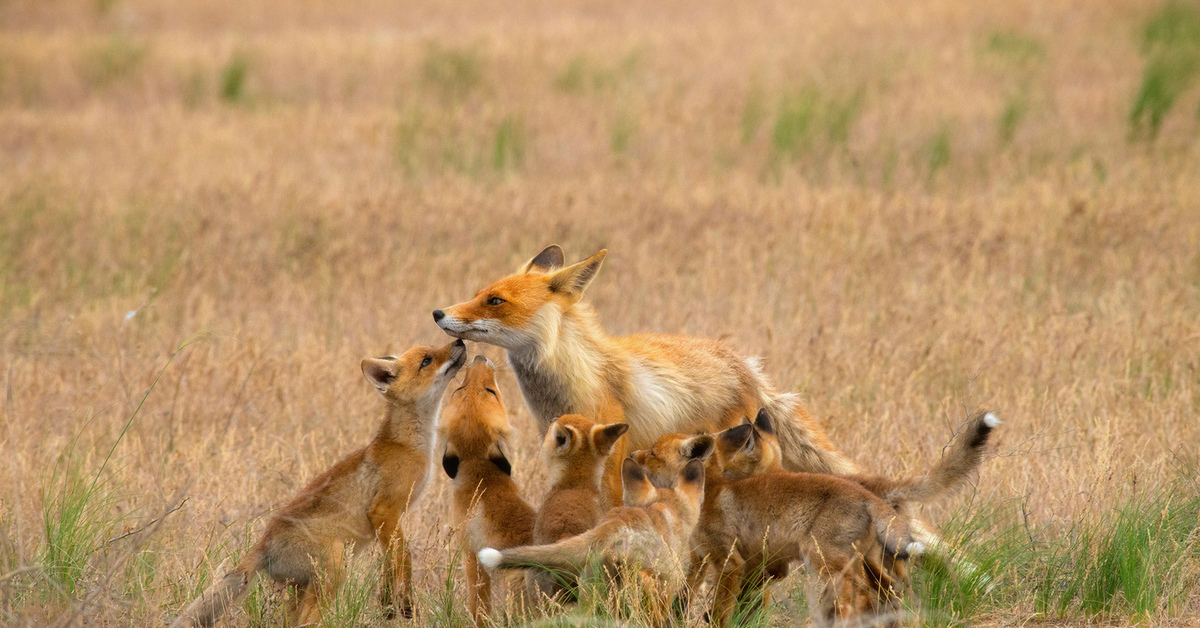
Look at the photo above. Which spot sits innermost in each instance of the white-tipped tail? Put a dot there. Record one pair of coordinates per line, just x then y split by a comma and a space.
916, 548
991, 420
489, 557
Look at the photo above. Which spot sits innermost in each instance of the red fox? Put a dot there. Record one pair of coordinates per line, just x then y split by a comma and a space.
744, 487
355, 502
566, 364
575, 451
488, 509
651, 534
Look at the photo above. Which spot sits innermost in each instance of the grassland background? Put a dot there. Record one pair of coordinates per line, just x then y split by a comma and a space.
911, 210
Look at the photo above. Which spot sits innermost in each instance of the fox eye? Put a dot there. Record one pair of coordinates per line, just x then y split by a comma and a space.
495, 301
426, 362
491, 391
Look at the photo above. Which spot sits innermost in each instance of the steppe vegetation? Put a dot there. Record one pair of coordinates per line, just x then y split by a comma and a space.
210, 211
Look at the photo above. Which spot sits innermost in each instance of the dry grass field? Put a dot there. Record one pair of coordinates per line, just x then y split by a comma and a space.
211, 211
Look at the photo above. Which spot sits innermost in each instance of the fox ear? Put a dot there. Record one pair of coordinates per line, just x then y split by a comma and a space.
635, 486
499, 457
605, 436
381, 373
763, 422
574, 279
550, 259
697, 447
450, 464
563, 436
693, 473
737, 437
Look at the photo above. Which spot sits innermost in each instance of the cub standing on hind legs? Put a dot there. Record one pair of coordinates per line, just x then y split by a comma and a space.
657, 383
357, 500
488, 509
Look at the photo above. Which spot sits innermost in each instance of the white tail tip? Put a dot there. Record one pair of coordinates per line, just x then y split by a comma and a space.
916, 548
489, 557
991, 420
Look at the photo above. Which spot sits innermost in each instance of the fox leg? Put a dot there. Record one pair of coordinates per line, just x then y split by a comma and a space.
479, 588
728, 582
697, 569
323, 586
395, 589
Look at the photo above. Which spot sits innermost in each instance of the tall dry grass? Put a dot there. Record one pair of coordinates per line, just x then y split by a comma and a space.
910, 211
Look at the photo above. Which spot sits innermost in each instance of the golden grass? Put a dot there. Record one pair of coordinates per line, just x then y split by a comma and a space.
893, 253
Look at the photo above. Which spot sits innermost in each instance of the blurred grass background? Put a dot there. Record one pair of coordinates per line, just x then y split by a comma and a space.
911, 210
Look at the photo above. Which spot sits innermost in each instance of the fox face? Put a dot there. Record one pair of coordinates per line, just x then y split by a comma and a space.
670, 454
420, 375
474, 422
576, 444
638, 490
523, 309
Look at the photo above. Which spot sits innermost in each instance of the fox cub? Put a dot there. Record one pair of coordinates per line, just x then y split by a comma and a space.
356, 501
575, 451
649, 536
488, 509
854, 525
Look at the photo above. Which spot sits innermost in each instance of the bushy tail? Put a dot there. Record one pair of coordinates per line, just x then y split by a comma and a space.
571, 554
951, 472
217, 599
804, 445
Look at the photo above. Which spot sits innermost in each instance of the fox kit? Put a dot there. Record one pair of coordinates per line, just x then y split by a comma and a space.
488, 509
749, 450
357, 500
576, 451
651, 534
658, 384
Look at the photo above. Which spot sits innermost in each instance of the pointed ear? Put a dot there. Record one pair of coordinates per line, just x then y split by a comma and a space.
736, 437
499, 457
605, 436
550, 259
563, 437
574, 279
763, 422
636, 488
697, 447
450, 465
693, 473
381, 373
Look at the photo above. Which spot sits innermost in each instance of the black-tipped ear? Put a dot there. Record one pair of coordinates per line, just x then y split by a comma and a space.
551, 258
450, 464
562, 438
763, 422
606, 437
502, 464
737, 436
693, 472
698, 447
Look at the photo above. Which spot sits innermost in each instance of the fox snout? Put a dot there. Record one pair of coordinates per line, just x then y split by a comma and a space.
438, 315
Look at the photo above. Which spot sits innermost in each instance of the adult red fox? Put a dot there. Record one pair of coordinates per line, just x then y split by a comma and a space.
657, 383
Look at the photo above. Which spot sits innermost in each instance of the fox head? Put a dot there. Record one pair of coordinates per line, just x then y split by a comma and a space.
576, 446
474, 423
686, 487
419, 376
670, 454
524, 309
749, 448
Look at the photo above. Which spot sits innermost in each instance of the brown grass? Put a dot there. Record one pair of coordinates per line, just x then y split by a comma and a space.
899, 274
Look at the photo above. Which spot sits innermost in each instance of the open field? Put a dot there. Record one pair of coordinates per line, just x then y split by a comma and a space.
911, 211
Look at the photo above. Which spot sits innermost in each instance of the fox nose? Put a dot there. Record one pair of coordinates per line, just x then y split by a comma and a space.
438, 315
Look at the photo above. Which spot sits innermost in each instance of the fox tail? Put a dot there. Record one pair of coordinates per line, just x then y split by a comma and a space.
217, 599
